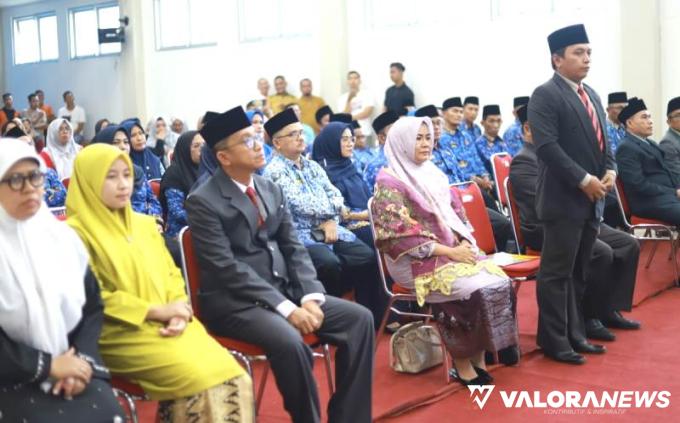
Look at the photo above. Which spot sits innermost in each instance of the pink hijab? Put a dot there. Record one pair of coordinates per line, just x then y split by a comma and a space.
425, 178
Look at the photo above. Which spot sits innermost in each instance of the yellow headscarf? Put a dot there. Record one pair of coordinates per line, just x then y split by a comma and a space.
128, 255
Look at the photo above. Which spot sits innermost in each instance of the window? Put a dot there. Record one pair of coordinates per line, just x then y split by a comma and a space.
35, 39
267, 19
399, 14
185, 23
85, 24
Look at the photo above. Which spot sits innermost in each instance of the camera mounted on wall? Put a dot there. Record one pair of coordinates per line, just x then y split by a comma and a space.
114, 35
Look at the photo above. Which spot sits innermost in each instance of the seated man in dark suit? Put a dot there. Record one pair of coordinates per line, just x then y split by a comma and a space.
258, 284
651, 187
610, 276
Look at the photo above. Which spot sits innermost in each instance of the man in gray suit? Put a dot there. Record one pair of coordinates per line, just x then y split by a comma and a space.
670, 144
258, 283
576, 169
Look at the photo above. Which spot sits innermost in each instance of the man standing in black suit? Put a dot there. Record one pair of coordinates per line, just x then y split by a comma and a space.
575, 171
613, 266
258, 283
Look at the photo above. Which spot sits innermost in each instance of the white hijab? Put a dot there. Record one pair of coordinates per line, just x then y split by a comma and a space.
62, 156
425, 178
42, 268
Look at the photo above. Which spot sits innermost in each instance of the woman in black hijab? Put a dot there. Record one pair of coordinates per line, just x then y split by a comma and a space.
179, 178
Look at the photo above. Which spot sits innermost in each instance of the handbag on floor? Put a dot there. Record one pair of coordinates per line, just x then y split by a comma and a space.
415, 347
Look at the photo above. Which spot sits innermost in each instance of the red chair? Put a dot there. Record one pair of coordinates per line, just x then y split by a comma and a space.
633, 222
399, 293
516, 222
155, 187
65, 182
59, 212
475, 209
246, 353
129, 392
500, 164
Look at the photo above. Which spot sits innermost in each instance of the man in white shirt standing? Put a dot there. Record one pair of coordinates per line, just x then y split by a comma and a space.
358, 103
74, 114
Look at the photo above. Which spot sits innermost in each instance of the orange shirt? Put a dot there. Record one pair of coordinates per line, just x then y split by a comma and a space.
48, 111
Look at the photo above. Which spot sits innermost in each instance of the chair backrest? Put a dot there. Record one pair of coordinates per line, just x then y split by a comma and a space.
500, 163
65, 182
379, 255
514, 215
473, 202
622, 201
155, 187
190, 269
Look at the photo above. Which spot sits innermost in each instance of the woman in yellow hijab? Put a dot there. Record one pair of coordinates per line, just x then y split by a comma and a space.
149, 336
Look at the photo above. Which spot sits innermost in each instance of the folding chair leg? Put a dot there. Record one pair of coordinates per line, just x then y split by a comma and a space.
381, 329
130, 402
260, 389
652, 254
329, 369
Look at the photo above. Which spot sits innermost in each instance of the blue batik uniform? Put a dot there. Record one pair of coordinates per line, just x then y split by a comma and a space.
447, 162
513, 138
372, 169
463, 148
362, 157
615, 135
473, 132
487, 150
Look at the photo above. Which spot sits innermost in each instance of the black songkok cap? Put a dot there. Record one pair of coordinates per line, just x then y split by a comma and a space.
452, 102
15, 132
634, 105
323, 111
567, 36
355, 124
430, 110
673, 105
341, 117
617, 97
520, 101
219, 127
471, 100
279, 121
209, 115
522, 113
383, 120
490, 110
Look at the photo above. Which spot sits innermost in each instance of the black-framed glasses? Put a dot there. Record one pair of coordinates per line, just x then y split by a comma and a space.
248, 142
17, 181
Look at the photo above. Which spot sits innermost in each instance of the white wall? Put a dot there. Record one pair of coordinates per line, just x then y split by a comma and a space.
95, 82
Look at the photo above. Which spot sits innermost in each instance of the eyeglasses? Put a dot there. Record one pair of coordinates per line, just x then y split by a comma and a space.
17, 181
347, 139
293, 134
67, 129
248, 142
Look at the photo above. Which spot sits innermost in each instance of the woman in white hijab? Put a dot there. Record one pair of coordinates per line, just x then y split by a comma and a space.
161, 139
50, 308
61, 149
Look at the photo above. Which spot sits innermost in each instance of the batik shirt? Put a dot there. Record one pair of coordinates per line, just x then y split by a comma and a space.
177, 215
463, 148
486, 151
474, 132
373, 167
447, 162
145, 202
615, 135
311, 197
55, 191
513, 138
362, 157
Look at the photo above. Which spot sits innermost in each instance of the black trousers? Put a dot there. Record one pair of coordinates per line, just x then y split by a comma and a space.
346, 325
611, 273
502, 229
567, 248
348, 265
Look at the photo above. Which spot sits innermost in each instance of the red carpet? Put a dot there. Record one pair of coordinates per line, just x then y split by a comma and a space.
637, 360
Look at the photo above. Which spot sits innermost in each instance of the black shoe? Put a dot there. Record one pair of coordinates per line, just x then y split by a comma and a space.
595, 330
569, 357
479, 380
617, 321
586, 347
486, 376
